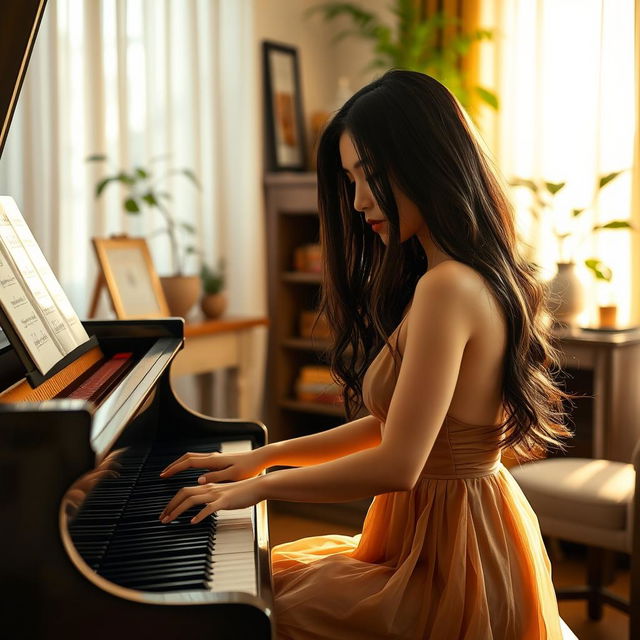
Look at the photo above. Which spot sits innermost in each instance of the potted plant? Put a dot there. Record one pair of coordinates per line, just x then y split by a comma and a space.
607, 309
565, 288
143, 191
214, 301
414, 45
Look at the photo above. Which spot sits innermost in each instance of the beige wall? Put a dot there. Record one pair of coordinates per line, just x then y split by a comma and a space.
321, 61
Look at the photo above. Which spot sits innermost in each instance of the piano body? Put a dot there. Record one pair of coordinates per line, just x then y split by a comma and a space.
83, 554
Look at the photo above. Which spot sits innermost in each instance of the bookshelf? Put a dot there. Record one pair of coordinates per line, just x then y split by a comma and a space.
292, 221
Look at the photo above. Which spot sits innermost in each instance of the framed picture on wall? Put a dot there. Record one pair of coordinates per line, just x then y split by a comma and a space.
130, 278
285, 130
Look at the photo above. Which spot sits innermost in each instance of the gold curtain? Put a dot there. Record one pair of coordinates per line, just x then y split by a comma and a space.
468, 11
478, 66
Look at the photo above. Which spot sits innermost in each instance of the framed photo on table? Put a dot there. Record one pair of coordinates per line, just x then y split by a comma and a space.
285, 130
130, 278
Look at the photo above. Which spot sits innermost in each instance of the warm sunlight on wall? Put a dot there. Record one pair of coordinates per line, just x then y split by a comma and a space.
564, 71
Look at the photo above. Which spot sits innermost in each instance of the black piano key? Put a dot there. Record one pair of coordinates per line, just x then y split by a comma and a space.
157, 545
131, 564
154, 574
188, 549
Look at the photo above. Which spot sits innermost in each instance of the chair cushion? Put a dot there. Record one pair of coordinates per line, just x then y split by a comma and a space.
595, 493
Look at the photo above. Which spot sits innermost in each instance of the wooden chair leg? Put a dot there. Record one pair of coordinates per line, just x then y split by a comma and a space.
595, 557
634, 600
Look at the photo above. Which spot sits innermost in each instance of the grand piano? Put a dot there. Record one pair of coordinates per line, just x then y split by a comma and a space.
82, 553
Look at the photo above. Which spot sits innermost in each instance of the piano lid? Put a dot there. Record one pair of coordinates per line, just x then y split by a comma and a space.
18, 30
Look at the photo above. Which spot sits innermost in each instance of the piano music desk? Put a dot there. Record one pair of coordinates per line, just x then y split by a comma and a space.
224, 343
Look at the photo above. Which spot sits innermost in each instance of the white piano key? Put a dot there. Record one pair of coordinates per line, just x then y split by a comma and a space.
233, 562
236, 446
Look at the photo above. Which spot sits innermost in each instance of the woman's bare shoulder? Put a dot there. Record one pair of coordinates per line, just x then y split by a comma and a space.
454, 278
460, 288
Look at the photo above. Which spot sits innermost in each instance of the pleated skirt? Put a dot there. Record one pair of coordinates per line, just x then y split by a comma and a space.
452, 559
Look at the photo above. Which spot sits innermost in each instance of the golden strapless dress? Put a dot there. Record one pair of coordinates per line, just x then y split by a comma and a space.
459, 557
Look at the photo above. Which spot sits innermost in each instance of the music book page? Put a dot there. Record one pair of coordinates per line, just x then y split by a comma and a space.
43, 269
41, 315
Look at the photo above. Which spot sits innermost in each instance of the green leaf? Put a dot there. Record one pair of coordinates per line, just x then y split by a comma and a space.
332, 10
101, 186
125, 178
141, 173
522, 182
488, 96
614, 224
606, 179
96, 157
192, 176
600, 270
188, 227
576, 212
131, 206
554, 187
150, 198
122, 178
190, 250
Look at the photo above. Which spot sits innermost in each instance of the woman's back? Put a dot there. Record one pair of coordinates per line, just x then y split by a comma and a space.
477, 398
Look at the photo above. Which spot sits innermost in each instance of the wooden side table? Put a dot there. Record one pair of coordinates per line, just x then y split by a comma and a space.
612, 359
225, 343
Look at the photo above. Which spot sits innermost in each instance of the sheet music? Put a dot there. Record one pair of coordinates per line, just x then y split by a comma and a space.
41, 315
25, 320
43, 269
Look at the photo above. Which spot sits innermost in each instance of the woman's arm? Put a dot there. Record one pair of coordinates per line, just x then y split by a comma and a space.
317, 448
358, 475
353, 436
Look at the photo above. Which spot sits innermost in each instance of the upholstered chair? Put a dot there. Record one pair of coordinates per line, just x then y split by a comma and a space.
595, 503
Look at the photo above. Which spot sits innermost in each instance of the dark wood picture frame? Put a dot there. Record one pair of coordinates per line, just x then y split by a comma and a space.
284, 116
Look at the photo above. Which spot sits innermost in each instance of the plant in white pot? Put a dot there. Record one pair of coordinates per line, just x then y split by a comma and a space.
566, 291
214, 300
144, 192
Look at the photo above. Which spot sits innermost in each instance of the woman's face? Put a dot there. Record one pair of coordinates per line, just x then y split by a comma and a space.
411, 222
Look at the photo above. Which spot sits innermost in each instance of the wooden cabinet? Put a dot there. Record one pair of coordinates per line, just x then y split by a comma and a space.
292, 221
603, 367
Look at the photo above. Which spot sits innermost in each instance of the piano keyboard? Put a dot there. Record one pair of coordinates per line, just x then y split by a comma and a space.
118, 534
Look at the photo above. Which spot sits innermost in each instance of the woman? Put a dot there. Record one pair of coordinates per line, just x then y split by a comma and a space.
439, 331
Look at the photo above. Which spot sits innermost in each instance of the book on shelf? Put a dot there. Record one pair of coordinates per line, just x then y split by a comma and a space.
31, 297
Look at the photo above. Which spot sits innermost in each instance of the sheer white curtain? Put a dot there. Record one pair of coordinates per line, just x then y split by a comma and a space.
140, 80
564, 70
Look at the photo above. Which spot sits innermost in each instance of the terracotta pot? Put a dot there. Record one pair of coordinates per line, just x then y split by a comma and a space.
181, 292
607, 315
566, 295
213, 305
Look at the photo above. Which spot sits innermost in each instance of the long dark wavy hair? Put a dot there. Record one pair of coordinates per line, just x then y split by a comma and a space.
409, 127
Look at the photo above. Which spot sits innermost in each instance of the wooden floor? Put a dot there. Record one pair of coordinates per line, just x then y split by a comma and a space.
568, 570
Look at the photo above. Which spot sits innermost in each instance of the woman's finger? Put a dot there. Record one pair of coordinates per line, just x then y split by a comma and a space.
186, 504
180, 461
216, 476
207, 511
188, 461
181, 496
